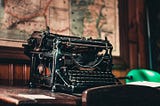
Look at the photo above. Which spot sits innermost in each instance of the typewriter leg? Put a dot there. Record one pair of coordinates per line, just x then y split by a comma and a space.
31, 82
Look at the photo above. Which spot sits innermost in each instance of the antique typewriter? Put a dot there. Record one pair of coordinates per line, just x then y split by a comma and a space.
67, 63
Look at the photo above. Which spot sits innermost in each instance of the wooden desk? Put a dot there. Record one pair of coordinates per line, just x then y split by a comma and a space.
10, 96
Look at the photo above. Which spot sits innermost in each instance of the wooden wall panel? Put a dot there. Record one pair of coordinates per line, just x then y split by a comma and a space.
11, 72
133, 52
137, 34
132, 23
17, 74
135, 20
4, 74
141, 32
26, 73
14, 74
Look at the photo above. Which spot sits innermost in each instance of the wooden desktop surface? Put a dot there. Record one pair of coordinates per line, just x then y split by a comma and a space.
10, 96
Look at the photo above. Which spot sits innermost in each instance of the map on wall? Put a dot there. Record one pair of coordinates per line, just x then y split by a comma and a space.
83, 18
96, 19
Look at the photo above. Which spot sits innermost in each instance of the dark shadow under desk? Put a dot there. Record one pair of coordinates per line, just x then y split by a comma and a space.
15, 96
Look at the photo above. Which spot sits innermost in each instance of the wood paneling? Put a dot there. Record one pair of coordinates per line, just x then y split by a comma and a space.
14, 74
133, 52
20, 74
4, 73
137, 34
133, 24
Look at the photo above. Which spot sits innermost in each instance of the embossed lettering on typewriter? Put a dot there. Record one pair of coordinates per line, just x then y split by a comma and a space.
67, 63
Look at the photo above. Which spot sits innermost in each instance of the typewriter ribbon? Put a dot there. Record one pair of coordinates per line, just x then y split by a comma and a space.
68, 63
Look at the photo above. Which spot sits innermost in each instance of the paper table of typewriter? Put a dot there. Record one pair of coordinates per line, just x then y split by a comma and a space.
70, 64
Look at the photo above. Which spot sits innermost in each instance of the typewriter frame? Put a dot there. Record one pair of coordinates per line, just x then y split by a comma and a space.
46, 49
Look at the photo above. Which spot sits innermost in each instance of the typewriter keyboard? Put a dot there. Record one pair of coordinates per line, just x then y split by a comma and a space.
84, 79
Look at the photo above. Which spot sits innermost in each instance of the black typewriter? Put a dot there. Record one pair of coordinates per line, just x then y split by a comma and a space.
67, 63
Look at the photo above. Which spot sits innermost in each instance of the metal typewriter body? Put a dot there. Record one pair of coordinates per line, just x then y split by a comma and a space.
67, 63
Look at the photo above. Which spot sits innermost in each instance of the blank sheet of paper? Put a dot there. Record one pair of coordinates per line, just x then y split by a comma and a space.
35, 96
